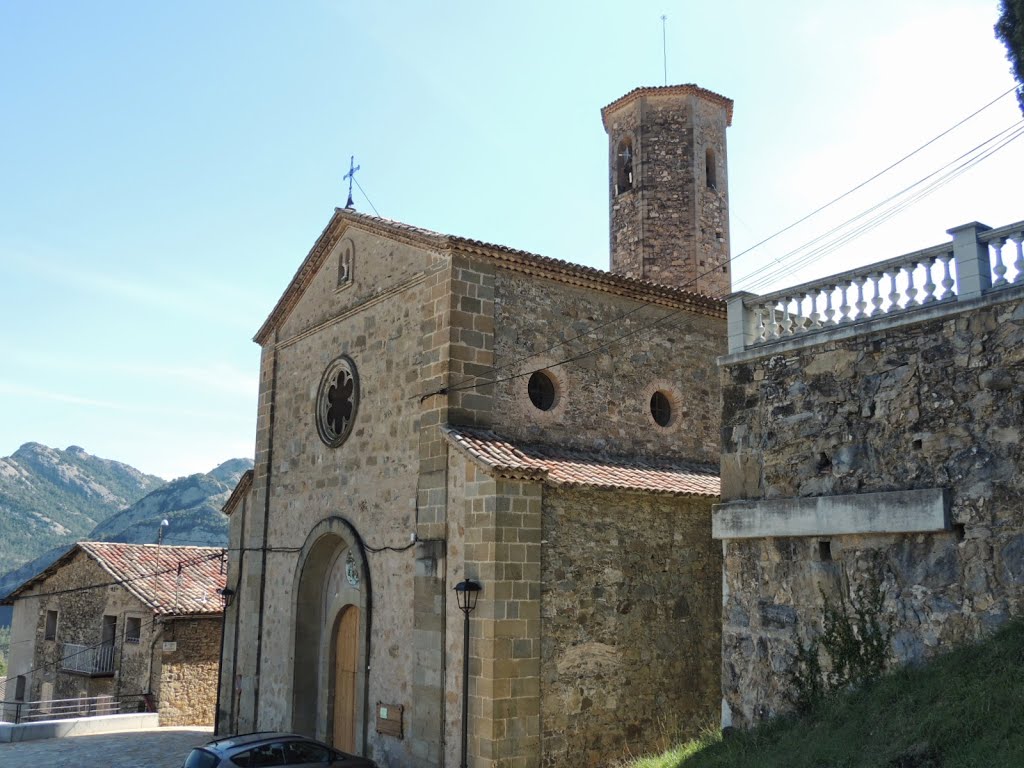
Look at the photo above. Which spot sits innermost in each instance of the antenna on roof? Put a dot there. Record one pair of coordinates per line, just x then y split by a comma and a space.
664, 50
177, 587
351, 175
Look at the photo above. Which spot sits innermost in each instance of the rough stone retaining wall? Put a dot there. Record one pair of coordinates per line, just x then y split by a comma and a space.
936, 405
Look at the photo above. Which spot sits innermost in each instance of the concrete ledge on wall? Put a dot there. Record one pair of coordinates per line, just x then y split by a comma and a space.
920, 511
79, 726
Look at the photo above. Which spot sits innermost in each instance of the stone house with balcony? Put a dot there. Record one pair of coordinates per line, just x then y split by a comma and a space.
434, 409
136, 626
871, 438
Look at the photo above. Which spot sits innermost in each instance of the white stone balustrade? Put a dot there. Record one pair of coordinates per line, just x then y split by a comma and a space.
977, 260
1006, 246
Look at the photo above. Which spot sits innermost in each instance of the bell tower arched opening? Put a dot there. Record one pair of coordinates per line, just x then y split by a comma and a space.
624, 166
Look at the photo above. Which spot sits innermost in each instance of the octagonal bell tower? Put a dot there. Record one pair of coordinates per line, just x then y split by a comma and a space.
669, 187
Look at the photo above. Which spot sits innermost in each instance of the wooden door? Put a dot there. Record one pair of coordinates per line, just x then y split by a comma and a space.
346, 662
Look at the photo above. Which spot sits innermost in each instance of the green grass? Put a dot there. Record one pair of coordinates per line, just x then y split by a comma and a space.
964, 710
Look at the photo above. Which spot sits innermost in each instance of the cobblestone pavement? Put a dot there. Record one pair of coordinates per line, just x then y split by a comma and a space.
153, 748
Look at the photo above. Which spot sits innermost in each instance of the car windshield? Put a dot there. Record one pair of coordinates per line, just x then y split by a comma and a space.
200, 758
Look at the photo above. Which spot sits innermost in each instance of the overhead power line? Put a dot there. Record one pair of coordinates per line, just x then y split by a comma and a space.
480, 381
182, 564
367, 197
493, 379
117, 582
882, 172
971, 158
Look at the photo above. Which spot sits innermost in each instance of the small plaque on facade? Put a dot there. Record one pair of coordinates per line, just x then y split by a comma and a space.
351, 571
389, 719
170, 647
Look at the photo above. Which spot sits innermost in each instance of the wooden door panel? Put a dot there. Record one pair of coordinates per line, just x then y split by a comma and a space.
346, 661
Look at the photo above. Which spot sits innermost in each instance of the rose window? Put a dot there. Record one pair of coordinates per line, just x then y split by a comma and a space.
337, 401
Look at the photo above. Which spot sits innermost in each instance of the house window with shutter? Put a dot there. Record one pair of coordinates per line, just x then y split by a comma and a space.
51, 625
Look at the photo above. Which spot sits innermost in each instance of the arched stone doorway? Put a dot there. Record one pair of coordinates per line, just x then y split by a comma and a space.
332, 613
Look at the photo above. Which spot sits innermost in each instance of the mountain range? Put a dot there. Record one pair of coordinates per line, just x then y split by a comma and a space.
51, 498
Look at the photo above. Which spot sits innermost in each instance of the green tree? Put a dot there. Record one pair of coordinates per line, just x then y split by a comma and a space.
5, 649
1010, 29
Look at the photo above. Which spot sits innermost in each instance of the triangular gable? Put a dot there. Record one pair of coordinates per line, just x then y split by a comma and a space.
508, 258
41, 576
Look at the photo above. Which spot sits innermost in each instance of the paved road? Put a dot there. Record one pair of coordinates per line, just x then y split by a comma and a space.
154, 748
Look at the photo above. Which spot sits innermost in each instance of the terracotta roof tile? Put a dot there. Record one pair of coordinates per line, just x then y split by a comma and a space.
150, 572
570, 468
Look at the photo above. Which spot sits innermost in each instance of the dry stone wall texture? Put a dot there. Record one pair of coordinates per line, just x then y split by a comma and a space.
188, 674
603, 399
631, 618
184, 682
933, 405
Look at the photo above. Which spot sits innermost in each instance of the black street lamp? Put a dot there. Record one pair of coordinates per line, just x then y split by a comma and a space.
466, 592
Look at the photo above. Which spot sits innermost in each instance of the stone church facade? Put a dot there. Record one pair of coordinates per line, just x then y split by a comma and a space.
434, 409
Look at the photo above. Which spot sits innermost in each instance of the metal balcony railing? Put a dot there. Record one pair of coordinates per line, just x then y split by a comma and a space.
17, 712
88, 659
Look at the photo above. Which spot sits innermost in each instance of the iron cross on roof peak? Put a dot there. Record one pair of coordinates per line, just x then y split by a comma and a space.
351, 175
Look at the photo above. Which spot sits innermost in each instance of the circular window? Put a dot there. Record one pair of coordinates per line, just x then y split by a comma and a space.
542, 391
661, 409
337, 401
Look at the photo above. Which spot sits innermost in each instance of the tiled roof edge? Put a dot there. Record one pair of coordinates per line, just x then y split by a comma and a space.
523, 261
241, 489
459, 436
453, 436
669, 90
131, 584
44, 574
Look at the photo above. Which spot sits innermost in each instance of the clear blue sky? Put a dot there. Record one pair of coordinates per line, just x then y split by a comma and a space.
164, 168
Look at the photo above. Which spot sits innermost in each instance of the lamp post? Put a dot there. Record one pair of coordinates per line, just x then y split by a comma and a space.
227, 594
160, 531
466, 592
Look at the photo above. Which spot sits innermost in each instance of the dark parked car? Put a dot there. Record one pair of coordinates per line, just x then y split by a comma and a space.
279, 749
